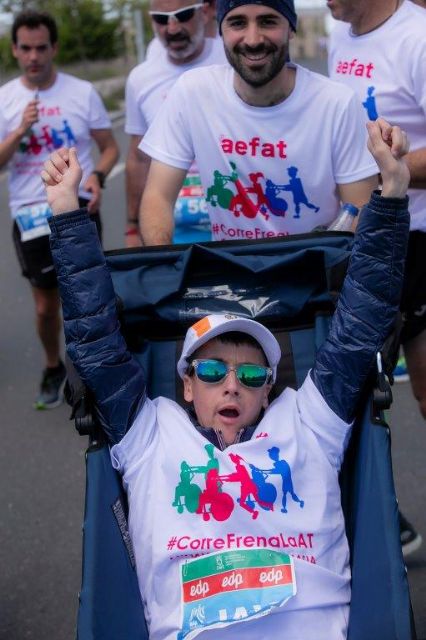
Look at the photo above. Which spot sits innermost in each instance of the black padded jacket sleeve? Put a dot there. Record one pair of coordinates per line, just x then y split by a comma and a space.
367, 304
93, 339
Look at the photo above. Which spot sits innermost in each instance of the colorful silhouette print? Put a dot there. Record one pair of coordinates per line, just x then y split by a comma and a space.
369, 104
282, 468
217, 194
277, 206
255, 490
266, 490
47, 138
295, 186
187, 494
248, 490
213, 502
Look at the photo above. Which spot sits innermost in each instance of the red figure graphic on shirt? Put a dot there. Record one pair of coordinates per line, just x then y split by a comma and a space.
212, 501
242, 204
248, 487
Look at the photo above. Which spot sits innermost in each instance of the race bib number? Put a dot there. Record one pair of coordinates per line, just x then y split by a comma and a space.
191, 206
32, 221
230, 587
191, 211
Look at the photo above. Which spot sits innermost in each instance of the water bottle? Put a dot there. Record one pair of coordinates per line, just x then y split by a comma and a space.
345, 219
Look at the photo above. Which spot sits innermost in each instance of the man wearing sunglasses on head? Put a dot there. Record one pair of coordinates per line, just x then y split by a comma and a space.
180, 29
208, 514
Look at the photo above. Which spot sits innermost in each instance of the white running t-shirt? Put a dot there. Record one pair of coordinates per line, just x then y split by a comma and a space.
68, 111
266, 171
149, 83
387, 69
223, 537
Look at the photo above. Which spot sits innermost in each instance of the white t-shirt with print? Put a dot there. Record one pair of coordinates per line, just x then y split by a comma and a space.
146, 89
68, 111
266, 171
387, 69
278, 492
148, 83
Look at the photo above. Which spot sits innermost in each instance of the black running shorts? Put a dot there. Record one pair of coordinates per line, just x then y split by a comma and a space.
413, 304
35, 258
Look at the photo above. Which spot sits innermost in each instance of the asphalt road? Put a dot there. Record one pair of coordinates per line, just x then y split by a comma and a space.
42, 466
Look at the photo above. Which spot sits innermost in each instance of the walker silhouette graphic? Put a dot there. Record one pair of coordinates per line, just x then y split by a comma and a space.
370, 104
266, 200
299, 196
48, 138
212, 502
282, 468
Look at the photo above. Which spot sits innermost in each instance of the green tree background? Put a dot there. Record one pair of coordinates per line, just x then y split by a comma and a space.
89, 30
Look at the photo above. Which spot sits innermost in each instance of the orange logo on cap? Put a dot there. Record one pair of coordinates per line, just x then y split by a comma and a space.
202, 326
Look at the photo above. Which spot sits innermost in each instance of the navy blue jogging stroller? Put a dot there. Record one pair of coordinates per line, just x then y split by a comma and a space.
289, 284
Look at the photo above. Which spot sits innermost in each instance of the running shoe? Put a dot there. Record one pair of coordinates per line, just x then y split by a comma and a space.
410, 539
51, 388
400, 373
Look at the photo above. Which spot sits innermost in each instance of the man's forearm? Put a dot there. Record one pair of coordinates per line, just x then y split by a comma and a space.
9, 146
107, 159
416, 161
137, 168
156, 221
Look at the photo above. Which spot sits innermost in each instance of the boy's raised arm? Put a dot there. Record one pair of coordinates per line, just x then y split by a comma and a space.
92, 331
371, 293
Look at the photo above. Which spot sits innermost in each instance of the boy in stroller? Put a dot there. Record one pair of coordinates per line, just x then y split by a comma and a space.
218, 554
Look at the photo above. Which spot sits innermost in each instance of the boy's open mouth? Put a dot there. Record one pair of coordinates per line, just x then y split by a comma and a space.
229, 413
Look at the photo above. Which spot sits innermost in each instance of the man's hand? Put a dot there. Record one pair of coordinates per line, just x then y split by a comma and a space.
61, 176
29, 116
92, 185
389, 145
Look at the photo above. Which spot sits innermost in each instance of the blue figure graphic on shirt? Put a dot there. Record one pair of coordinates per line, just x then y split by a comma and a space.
299, 196
282, 468
370, 104
277, 206
266, 491
68, 132
57, 140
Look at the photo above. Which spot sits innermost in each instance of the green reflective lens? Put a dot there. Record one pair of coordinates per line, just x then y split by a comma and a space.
210, 370
213, 371
252, 375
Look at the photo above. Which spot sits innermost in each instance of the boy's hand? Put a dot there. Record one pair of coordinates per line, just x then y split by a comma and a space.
61, 176
388, 145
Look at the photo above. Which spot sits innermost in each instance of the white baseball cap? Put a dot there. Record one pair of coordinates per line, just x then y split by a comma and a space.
212, 326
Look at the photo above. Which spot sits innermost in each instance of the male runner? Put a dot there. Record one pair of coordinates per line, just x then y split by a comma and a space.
379, 50
40, 111
180, 28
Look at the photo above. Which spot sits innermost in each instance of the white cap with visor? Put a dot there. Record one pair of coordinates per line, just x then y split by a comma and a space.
214, 325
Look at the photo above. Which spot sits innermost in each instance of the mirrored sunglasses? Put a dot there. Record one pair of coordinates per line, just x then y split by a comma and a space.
214, 371
181, 15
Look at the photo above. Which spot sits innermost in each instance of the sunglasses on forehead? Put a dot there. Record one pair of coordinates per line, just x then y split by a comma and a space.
214, 371
181, 15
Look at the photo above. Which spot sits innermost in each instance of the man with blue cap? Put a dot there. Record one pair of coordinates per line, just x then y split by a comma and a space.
250, 126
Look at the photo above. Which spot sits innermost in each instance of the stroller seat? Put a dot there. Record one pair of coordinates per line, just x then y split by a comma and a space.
290, 285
